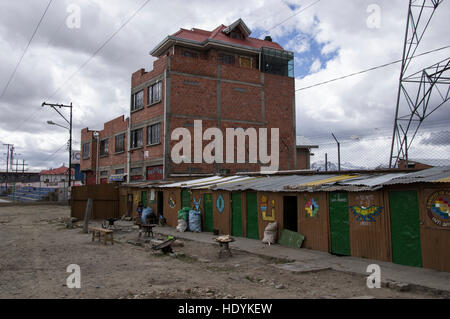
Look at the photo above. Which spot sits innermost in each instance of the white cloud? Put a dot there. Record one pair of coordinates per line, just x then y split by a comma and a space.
100, 91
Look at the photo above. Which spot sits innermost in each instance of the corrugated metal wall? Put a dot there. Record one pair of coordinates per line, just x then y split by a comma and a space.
171, 195
273, 201
313, 220
222, 221
105, 201
369, 231
435, 239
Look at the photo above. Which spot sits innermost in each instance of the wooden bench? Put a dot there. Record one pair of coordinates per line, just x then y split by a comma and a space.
107, 234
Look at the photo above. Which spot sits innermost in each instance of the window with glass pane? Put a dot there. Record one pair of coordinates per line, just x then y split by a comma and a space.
86, 150
104, 147
153, 134
226, 58
136, 138
154, 93
137, 100
120, 143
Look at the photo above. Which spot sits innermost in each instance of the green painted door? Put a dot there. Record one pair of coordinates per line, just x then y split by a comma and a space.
185, 199
339, 226
236, 215
252, 216
144, 198
208, 209
405, 228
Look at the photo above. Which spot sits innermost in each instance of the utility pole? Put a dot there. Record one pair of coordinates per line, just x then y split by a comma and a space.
339, 152
55, 106
23, 166
7, 162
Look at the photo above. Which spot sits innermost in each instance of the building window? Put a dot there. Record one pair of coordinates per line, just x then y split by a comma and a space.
120, 143
154, 93
226, 58
120, 171
245, 62
136, 138
104, 149
154, 134
136, 174
189, 54
86, 150
104, 173
137, 100
237, 35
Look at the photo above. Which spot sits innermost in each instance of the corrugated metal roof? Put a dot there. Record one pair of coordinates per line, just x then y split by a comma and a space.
431, 175
223, 181
272, 183
371, 180
202, 182
314, 183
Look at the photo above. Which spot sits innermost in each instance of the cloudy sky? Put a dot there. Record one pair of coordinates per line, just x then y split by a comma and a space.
330, 39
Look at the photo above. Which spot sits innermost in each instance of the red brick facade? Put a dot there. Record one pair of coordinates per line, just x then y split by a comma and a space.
221, 85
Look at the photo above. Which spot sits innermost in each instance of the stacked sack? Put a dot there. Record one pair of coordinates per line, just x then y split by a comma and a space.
270, 233
195, 221
183, 219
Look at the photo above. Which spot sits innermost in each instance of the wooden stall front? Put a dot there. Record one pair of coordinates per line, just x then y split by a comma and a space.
313, 220
172, 204
369, 226
435, 226
222, 212
270, 209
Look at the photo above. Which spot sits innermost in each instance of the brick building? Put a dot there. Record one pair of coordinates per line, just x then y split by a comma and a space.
223, 77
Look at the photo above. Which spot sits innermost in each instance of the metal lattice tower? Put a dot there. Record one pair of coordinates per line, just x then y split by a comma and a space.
421, 93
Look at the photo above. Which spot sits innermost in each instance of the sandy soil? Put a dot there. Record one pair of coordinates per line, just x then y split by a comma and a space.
36, 247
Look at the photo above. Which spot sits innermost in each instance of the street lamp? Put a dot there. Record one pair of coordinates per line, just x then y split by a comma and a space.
53, 106
52, 123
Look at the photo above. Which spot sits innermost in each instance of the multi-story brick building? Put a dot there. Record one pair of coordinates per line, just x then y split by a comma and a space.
223, 77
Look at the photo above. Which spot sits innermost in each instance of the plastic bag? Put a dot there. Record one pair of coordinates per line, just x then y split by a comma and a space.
270, 233
184, 213
195, 221
182, 226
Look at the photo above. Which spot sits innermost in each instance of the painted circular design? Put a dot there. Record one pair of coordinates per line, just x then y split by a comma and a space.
312, 208
172, 202
220, 203
437, 208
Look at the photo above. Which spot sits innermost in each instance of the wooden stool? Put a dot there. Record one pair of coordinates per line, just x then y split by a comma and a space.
108, 234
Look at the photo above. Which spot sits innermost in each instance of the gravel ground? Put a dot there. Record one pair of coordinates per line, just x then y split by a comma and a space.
36, 247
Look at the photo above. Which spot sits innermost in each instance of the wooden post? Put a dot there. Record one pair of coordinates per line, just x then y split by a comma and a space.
87, 215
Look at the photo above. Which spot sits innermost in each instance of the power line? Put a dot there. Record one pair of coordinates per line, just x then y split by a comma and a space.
87, 61
54, 153
290, 17
371, 69
100, 48
25, 51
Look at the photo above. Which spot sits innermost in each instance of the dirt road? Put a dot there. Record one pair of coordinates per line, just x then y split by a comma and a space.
36, 248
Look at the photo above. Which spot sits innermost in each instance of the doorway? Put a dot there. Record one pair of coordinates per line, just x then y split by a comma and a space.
339, 224
290, 213
160, 203
405, 228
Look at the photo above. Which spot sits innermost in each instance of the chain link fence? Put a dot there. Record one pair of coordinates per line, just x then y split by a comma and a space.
373, 152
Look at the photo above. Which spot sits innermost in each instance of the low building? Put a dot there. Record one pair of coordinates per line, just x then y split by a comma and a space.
423, 163
304, 147
57, 178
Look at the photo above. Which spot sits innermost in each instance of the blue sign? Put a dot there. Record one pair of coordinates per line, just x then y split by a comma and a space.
220, 203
